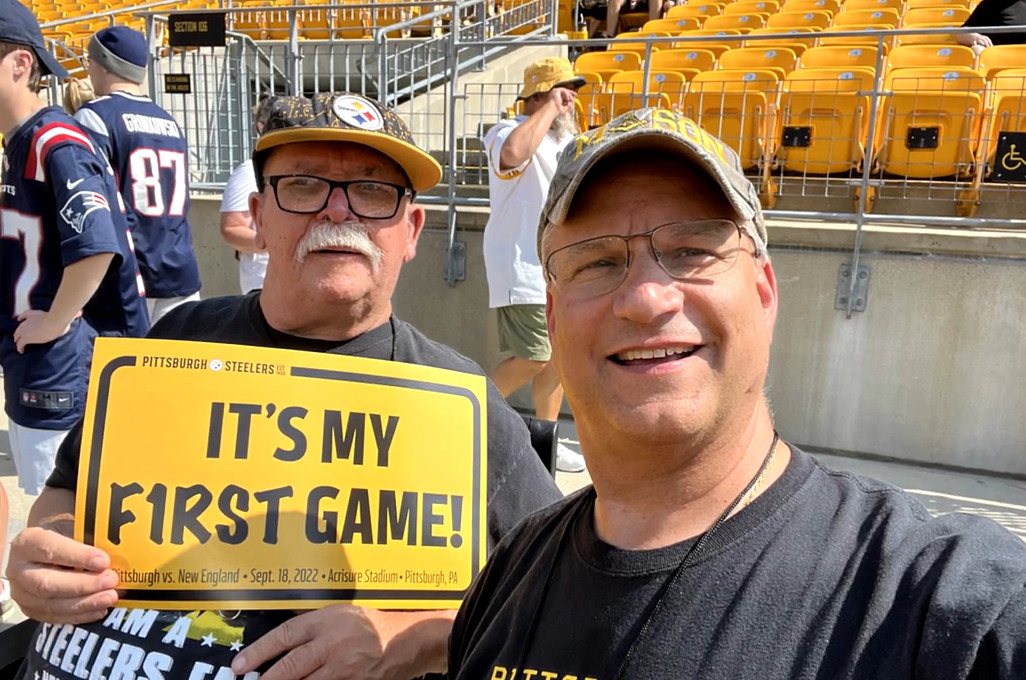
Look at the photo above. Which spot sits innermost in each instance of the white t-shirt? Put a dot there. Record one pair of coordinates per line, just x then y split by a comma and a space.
510, 237
241, 183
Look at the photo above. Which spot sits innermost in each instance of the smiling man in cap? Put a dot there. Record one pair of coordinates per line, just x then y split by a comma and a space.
66, 270
337, 176
708, 547
521, 160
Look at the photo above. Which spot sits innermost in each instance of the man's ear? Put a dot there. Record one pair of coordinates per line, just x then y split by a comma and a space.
415, 217
766, 285
256, 204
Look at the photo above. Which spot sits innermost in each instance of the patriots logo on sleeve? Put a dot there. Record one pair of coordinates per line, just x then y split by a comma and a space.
81, 204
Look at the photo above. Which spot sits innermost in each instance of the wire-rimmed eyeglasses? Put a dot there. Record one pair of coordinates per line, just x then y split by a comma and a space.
370, 199
690, 250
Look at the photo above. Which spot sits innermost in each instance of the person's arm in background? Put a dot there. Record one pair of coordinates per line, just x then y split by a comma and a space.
983, 15
524, 140
236, 222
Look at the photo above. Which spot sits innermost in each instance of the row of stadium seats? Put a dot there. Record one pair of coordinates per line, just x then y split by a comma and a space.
933, 122
598, 67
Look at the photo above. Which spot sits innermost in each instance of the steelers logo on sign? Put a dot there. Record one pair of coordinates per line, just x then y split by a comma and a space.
215, 365
357, 112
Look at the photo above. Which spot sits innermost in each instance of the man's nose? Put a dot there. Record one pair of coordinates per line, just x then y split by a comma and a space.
647, 291
337, 207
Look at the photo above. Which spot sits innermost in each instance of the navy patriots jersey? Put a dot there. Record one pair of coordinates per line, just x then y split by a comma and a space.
56, 198
148, 152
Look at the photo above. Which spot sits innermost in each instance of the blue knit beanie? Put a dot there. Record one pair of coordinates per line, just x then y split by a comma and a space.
121, 50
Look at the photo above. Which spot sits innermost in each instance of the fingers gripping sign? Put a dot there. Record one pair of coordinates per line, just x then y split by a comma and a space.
345, 641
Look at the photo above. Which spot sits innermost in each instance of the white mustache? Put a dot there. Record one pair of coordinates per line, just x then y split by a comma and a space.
351, 235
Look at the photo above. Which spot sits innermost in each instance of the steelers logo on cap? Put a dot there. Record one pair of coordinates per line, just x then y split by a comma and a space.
357, 112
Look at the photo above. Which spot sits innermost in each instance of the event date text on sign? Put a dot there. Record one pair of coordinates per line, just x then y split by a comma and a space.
223, 476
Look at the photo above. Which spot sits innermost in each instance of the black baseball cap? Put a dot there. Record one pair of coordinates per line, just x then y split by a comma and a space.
19, 26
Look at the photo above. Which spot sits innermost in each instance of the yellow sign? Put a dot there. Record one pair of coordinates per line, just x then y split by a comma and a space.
219, 476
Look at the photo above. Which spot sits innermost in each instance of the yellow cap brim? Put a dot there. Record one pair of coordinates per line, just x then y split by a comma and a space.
423, 170
563, 80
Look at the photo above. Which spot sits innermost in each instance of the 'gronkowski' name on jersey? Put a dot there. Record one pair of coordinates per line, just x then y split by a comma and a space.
135, 122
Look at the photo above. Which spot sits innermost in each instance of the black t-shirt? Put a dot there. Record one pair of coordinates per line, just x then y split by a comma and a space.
163, 645
825, 575
1000, 13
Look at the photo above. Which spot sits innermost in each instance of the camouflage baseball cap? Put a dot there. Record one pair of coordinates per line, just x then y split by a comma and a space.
653, 130
348, 117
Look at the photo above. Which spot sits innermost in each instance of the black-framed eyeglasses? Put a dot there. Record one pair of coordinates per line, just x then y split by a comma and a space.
685, 250
306, 194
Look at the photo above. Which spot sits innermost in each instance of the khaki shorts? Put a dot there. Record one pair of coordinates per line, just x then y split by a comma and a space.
523, 332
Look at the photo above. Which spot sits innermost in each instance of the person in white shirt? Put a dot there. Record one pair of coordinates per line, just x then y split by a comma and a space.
521, 159
237, 228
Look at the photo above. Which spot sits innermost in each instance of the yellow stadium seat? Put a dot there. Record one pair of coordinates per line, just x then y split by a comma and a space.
710, 8
886, 17
869, 37
780, 60
738, 107
925, 16
317, 24
852, 5
738, 22
796, 39
608, 61
917, 56
673, 25
631, 42
700, 12
916, 4
1008, 114
764, 7
824, 120
724, 40
623, 92
932, 121
684, 60
929, 38
831, 6
839, 56
671, 84
277, 25
248, 23
810, 19
589, 97
999, 57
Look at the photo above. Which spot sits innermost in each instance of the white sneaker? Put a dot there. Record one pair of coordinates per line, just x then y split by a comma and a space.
568, 460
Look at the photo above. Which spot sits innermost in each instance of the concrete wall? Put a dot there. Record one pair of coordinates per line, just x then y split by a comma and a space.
931, 372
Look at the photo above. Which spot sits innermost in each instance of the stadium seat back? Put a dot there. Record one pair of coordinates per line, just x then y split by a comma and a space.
920, 56
928, 38
924, 16
779, 59
629, 86
673, 26
630, 42
932, 121
824, 120
707, 8
589, 97
763, 7
797, 39
839, 56
1008, 107
885, 17
608, 61
869, 37
738, 22
684, 60
917, 4
702, 11
738, 107
999, 57
811, 18
832, 7
854, 5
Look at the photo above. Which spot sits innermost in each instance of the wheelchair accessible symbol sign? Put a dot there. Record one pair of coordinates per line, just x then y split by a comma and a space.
1010, 159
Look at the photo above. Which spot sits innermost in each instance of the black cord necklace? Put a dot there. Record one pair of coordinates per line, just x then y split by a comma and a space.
656, 604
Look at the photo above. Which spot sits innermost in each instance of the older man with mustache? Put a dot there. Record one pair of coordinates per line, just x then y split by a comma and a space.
337, 177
